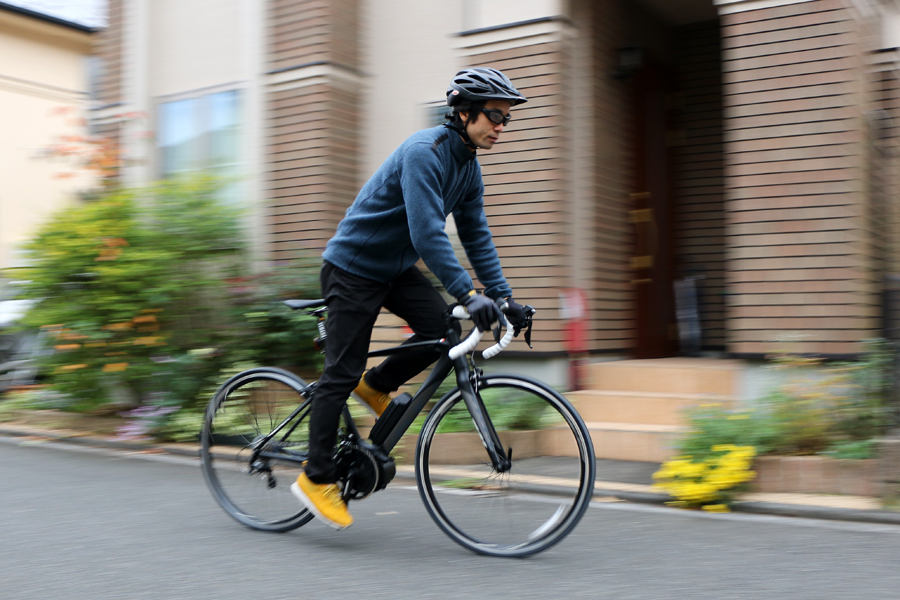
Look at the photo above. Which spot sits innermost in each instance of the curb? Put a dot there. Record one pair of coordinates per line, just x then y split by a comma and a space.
883, 517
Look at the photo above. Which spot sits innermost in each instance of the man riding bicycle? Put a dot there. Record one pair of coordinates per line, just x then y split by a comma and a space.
398, 218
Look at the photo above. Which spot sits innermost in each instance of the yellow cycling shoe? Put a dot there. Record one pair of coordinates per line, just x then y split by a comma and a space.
371, 398
324, 501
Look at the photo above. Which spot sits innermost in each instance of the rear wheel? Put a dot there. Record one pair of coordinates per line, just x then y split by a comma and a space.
248, 477
490, 512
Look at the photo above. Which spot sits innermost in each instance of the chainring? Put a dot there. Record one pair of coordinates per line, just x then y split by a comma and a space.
359, 472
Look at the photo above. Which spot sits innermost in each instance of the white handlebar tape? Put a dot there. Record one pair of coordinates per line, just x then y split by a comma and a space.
468, 344
501, 345
461, 313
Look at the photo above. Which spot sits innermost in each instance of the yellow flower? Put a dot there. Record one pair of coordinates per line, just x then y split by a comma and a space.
716, 508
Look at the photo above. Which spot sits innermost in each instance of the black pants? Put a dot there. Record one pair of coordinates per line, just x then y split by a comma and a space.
353, 306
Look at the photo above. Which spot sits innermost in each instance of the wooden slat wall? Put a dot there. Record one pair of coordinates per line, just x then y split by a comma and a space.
312, 125
524, 189
299, 32
795, 197
890, 90
887, 85
307, 31
312, 165
613, 303
892, 104
109, 49
700, 189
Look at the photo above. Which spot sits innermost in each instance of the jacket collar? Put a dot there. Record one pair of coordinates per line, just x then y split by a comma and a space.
458, 148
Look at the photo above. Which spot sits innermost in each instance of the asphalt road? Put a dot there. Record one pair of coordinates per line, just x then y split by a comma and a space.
78, 523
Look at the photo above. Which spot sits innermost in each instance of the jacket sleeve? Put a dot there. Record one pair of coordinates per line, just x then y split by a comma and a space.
475, 235
421, 180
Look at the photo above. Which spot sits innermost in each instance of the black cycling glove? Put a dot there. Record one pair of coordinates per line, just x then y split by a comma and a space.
483, 311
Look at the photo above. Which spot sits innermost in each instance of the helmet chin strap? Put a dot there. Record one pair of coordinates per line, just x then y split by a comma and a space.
465, 135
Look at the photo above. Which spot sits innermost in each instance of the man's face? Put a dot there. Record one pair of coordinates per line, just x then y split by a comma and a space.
483, 132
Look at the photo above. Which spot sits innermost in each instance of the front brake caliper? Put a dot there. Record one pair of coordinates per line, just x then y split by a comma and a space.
475, 376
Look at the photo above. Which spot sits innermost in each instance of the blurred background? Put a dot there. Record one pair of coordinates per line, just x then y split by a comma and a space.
702, 181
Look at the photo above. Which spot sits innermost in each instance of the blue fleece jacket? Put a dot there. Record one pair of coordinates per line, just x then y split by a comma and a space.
400, 213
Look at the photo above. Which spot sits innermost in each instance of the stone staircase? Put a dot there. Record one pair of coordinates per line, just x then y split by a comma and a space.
634, 408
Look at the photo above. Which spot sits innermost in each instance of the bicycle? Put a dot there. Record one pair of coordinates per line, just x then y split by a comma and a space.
482, 445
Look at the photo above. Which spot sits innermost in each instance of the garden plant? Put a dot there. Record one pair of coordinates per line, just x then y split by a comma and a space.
148, 295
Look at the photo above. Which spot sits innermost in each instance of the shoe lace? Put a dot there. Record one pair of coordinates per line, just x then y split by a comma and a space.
333, 494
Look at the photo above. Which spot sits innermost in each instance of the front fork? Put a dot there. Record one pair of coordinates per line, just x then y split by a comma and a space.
467, 380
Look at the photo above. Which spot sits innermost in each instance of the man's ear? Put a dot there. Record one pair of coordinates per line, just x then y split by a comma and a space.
464, 117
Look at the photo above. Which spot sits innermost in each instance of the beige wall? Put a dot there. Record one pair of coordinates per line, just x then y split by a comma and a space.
195, 45
479, 14
405, 72
410, 52
41, 74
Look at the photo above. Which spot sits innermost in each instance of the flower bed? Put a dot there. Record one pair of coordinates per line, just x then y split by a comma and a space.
816, 475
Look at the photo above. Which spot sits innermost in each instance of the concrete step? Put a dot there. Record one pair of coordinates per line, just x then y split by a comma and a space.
666, 375
633, 441
653, 408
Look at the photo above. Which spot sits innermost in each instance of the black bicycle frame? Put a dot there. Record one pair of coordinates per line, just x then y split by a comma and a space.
484, 426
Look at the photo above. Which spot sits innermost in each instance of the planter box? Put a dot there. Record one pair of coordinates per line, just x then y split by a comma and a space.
61, 420
816, 475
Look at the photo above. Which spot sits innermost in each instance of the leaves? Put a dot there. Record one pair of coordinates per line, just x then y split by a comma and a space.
136, 283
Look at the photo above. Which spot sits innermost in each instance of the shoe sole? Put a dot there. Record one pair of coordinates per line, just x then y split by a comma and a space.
304, 499
366, 406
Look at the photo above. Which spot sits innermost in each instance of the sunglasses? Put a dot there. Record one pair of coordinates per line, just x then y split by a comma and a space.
496, 116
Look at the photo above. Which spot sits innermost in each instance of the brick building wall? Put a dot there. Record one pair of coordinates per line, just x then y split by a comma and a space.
106, 120
612, 302
887, 118
524, 189
797, 204
108, 47
699, 165
312, 121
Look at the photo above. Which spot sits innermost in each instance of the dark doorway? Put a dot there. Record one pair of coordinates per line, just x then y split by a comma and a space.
652, 212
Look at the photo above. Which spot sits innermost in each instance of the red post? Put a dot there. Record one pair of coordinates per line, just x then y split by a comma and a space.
573, 307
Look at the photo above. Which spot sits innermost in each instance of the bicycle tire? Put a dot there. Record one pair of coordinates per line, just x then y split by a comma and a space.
491, 513
246, 407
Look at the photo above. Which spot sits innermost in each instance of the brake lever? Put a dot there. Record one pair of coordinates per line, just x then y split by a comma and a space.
529, 321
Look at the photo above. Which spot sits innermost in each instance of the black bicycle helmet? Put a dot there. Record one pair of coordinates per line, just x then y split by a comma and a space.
480, 84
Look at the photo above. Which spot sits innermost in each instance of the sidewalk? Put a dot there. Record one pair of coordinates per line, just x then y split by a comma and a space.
617, 481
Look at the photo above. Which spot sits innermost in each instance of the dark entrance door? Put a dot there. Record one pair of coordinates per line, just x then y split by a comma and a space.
652, 214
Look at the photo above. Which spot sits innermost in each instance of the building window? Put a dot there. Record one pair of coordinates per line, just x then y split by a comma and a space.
201, 134
94, 67
436, 113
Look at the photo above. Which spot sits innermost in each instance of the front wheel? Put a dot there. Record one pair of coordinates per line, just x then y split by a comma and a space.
490, 512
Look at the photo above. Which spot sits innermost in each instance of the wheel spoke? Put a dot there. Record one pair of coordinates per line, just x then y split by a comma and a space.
256, 492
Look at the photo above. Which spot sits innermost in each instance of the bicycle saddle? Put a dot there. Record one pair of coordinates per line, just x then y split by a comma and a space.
304, 304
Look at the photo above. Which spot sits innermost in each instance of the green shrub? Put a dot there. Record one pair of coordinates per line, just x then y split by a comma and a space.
281, 336
711, 425
837, 409
831, 405
138, 294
